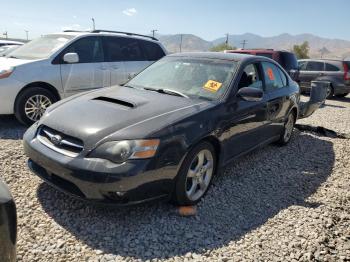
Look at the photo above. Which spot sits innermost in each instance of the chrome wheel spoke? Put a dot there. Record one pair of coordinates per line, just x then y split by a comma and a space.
193, 188
35, 106
199, 175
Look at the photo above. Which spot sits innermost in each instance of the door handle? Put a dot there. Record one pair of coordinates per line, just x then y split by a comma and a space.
103, 68
115, 67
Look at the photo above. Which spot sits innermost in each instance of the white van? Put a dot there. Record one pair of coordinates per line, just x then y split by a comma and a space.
56, 66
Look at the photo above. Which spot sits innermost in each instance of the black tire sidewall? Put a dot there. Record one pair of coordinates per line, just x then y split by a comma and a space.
23, 97
179, 196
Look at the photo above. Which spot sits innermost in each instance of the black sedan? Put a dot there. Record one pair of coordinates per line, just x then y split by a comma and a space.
166, 132
8, 225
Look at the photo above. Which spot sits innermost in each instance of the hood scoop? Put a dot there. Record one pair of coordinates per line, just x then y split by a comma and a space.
115, 101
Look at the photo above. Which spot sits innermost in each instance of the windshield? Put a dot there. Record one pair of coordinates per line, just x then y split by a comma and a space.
41, 47
193, 77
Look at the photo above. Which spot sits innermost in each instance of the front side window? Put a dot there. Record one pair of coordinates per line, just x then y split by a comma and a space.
195, 77
272, 76
302, 65
250, 77
315, 66
41, 48
89, 49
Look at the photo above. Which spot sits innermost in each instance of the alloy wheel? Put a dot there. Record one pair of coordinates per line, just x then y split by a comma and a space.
36, 106
288, 128
199, 175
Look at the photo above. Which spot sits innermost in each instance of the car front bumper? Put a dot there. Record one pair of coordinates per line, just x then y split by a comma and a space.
9, 89
98, 180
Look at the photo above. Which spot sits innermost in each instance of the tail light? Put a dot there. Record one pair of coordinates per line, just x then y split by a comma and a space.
346, 72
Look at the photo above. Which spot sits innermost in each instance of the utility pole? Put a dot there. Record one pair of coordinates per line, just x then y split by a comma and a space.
243, 43
226, 42
153, 32
26, 33
93, 24
5, 34
180, 43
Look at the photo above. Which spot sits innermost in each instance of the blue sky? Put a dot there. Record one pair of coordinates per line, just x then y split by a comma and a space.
207, 19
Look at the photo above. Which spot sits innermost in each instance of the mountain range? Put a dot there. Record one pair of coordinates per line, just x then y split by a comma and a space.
319, 46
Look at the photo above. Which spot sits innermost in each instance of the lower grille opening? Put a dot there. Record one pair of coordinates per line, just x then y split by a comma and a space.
57, 181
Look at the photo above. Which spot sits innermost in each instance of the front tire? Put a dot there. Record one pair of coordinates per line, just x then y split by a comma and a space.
342, 95
31, 104
287, 130
195, 175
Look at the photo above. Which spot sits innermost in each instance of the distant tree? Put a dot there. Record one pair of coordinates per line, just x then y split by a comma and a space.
302, 51
222, 47
324, 51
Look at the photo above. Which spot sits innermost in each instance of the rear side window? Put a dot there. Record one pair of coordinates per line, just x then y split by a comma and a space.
272, 75
330, 67
89, 49
315, 66
153, 51
288, 61
131, 50
123, 49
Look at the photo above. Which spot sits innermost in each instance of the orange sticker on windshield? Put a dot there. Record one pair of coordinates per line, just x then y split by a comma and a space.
270, 74
212, 86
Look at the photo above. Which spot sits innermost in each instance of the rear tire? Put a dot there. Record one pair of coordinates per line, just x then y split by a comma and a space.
288, 128
31, 104
330, 92
195, 175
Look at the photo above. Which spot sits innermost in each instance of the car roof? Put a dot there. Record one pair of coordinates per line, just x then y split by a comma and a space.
258, 50
216, 55
106, 33
322, 60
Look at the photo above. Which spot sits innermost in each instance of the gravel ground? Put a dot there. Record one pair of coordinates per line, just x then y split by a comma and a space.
292, 204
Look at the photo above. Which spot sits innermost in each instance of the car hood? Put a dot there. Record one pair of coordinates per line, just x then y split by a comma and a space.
117, 112
11, 62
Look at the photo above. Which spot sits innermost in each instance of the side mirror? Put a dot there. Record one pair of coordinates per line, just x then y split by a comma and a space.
71, 58
250, 94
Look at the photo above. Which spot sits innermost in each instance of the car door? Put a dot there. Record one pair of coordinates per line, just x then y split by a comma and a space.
90, 72
135, 59
113, 47
311, 71
277, 97
246, 120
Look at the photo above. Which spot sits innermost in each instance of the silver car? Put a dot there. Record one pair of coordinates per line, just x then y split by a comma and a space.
56, 66
336, 72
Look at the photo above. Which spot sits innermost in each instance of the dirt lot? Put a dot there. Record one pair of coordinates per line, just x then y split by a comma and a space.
276, 204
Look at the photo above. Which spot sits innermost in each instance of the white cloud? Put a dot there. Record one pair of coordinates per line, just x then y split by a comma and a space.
130, 12
71, 27
75, 17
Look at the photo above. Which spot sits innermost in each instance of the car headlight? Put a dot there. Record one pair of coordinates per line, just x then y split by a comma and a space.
4, 73
120, 151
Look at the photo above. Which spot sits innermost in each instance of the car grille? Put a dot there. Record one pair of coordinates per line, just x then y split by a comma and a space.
60, 142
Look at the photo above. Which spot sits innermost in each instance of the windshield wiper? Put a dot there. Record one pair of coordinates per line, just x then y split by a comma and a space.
166, 91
